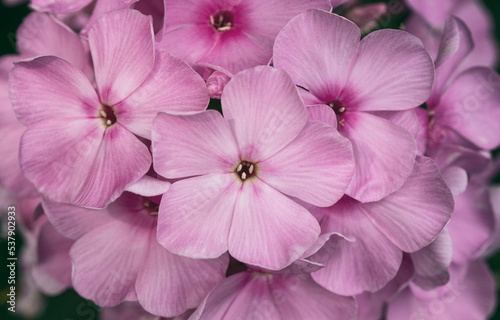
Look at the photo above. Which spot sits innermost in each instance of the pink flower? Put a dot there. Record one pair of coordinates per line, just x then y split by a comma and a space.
116, 257
257, 294
81, 146
242, 169
133, 311
234, 35
388, 70
377, 233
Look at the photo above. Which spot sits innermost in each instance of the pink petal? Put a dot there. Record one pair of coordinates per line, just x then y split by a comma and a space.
72, 221
122, 160
470, 295
106, 264
456, 178
431, 263
194, 144
317, 58
100, 9
149, 187
52, 272
168, 284
42, 34
268, 229
381, 166
127, 37
49, 87
472, 224
366, 263
471, 106
434, 12
59, 6
172, 86
323, 113
265, 111
456, 44
195, 215
415, 214
316, 167
400, 59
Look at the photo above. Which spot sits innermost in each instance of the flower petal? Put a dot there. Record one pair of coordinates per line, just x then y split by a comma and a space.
50, 87
193, 144
316, 167
265, 111
106, 264
172, 86
317, 58
169, 284
400, 59
195, 215
268, 229
381, 166
415, 214
365, 264
126, 36
59, 6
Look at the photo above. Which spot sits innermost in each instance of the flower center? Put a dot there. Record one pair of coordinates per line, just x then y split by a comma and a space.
245, 170
337, 106
152, 207
108, 115
222, 21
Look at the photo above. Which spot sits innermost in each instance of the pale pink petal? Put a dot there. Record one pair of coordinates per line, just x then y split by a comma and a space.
472, 223
415, 214
268, 229
172, 86
127, 37
59, 6
384, 154
422, 136
456, 44
149, 187
193, 144
195, 215
317, 58
42, 34
435, 12
400, 59
52, 272
265, 111
470, 295
72, 221
456, 178
471, 106
106, 263
366, 263
431, 263
318, 146
122, 160
301, 266
101, 8
323, 113
49, 87
169, 284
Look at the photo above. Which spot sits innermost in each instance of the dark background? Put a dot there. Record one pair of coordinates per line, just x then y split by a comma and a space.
68, 305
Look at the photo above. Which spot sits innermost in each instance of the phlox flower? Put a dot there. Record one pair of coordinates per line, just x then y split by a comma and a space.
81, 145
133, 311
375, 234
232, 34
242, 171
116, 256
388, 70
262, 294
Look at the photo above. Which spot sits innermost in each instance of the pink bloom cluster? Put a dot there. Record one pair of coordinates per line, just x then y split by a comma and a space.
256, 159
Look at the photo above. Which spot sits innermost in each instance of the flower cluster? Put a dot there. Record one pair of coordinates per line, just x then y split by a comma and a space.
256, 159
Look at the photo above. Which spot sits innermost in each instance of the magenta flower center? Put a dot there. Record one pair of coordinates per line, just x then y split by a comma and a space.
337, 106
108, 115
245, 170
222, 21
152, 207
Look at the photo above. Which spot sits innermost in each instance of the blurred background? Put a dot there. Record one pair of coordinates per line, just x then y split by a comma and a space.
69, 305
